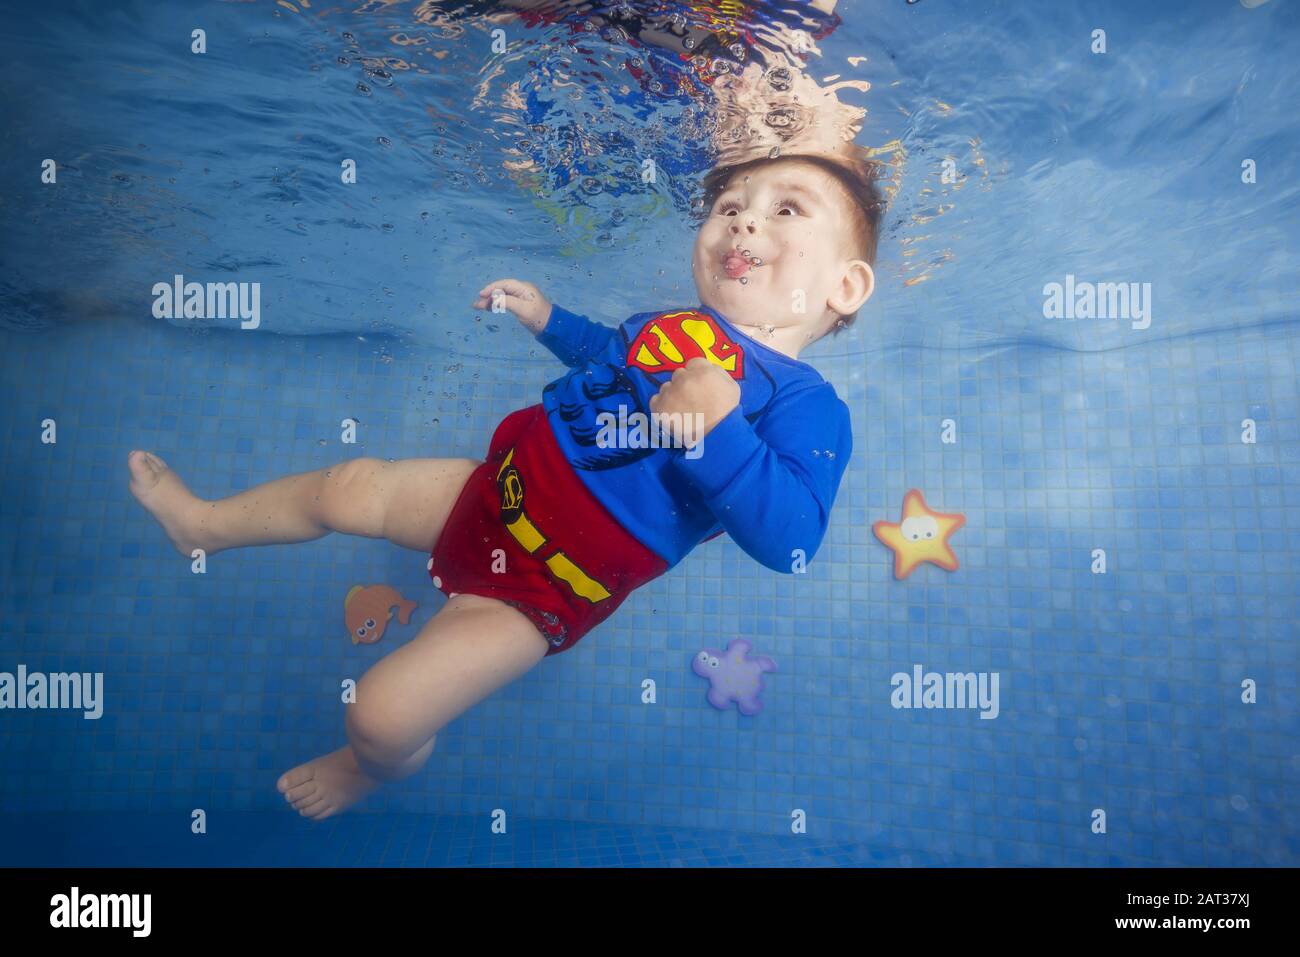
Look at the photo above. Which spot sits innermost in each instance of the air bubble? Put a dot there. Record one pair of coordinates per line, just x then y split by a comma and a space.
779, 78
781, 118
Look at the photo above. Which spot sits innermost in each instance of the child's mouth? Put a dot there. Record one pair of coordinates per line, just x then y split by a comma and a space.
738, 262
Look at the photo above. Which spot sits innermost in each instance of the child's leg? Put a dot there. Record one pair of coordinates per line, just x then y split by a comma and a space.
472, 647
406, 502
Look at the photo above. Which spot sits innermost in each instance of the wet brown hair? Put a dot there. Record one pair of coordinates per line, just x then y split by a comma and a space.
857, 176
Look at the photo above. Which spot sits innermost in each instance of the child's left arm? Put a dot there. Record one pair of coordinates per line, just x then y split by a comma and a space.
573, 338
772, 487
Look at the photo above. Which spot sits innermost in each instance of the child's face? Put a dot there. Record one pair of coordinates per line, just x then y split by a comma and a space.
773, 251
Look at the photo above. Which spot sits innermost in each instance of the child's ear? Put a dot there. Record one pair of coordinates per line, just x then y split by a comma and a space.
854, 288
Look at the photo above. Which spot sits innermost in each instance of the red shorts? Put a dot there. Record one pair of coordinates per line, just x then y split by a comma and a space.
526, 530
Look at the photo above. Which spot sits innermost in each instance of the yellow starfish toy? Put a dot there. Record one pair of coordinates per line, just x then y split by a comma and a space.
922, 536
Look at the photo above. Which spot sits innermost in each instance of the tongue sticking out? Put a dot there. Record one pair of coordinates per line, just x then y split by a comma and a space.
735, 265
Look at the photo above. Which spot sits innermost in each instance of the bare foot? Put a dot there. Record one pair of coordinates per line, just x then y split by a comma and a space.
161, 491
326, 786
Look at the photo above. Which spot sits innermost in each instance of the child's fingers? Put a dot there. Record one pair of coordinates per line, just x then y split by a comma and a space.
512, 303
510, 287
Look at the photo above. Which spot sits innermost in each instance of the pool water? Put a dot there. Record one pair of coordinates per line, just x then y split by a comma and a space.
1120, 691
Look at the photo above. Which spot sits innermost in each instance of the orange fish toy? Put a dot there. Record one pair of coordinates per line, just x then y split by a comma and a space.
368, 609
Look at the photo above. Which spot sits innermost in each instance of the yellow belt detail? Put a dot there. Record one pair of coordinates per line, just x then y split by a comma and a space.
531, 538
582, 584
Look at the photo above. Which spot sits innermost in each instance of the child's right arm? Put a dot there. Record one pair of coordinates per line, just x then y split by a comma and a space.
571, 337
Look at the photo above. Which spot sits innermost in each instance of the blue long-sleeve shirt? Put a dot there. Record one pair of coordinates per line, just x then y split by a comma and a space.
766, 474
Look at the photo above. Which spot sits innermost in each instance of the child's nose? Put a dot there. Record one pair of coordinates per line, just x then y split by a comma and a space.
747, 222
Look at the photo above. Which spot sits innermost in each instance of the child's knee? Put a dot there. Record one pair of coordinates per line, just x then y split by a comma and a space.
348, 498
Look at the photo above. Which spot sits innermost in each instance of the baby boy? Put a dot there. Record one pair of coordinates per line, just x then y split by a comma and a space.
570, 512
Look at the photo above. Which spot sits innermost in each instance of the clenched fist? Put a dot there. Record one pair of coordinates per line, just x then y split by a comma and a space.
699, 386
531, 308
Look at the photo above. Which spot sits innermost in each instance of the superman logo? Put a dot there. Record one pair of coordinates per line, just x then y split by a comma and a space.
669, 341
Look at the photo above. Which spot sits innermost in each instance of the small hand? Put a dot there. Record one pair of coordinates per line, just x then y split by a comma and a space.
701, 387
531, 308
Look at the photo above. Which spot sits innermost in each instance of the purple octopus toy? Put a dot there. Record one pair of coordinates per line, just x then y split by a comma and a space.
733, 676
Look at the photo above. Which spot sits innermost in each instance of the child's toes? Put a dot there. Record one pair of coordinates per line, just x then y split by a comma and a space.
302, 792
296, 777
145, 468
321, 809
